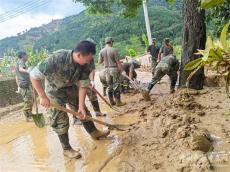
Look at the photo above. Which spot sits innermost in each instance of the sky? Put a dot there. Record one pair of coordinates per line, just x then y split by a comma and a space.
39, 12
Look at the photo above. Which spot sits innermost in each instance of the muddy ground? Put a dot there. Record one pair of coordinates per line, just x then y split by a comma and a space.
180, 132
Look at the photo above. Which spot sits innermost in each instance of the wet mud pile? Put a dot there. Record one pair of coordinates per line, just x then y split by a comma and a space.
169, 136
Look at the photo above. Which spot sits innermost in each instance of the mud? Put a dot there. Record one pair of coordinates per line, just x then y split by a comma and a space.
187, 131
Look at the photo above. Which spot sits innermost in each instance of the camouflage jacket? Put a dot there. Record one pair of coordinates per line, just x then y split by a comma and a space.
60, 71
169, 63
23, 78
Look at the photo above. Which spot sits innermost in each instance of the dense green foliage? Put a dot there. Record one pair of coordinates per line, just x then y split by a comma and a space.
166, 21
217, 17
127, 8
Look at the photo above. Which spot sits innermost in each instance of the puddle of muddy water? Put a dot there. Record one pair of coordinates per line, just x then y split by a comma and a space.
23, 147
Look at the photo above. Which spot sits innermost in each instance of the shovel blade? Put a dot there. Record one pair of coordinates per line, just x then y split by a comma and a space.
39, 120
145, 95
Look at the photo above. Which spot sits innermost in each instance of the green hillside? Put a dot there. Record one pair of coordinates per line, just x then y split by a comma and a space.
165, 22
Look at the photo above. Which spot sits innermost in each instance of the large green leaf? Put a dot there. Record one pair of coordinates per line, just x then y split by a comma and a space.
214, 55
193, 64
223, 37
210, 3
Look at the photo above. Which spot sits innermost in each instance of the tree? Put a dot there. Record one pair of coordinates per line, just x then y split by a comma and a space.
194, 37
128, 8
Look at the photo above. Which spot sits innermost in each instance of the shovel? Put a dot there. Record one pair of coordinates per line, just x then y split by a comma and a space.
38, 118
136, 86
106, 102
119, 127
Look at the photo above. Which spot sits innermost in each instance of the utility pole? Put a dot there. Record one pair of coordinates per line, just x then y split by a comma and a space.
147, 22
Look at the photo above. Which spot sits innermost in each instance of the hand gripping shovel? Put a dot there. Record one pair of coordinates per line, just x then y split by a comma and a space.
89, 118
106, 102
38, 118
136, 86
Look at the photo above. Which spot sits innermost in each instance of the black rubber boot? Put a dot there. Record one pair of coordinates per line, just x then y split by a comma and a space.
67, 149
118, 99
104, 91
96, 106
110, 94
150, 86
97, 109
64, 139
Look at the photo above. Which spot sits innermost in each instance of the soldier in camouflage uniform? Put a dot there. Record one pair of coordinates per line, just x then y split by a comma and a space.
129, 68
169, 65
154, 51
113, 68
67, 80
23, 81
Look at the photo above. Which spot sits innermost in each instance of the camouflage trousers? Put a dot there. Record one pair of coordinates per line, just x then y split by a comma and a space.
92, 95
27, 101
160, 72
153, 65
60, 120
102, 77
113, 79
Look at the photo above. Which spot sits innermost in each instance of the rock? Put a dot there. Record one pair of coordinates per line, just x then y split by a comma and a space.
200, 113
200, 142
163, 133
181, 133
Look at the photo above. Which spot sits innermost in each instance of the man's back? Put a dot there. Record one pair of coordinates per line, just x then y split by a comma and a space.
170, 61
23, 78
109, 56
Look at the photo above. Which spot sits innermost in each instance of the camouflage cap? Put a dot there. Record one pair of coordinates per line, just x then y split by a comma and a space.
108, 40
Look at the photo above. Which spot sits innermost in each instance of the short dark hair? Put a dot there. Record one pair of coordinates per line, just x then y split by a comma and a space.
85, 47
21, 54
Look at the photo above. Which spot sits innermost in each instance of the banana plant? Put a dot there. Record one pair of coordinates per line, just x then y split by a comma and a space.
216, 55
205, 4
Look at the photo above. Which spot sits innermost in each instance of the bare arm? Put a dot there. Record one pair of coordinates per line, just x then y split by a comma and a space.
119, 65
82, 95
92, 75
23, 70
100, 59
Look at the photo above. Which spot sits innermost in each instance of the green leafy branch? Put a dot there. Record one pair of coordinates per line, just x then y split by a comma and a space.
216, 55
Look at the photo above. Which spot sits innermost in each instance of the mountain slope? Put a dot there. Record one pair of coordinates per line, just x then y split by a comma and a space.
65, 33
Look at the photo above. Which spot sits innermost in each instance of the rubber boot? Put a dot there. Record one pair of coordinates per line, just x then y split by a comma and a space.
68, 151
118, 99
28, 116
150, 86
104, 91
172, 90
97, 134
110, 94
96, 108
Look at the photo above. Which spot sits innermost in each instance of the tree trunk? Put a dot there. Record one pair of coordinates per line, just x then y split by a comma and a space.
194, 37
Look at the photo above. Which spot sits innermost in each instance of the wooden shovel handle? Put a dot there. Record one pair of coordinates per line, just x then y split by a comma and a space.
89, 118
99, 94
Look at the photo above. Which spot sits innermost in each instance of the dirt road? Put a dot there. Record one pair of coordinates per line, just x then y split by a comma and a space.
178, 132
